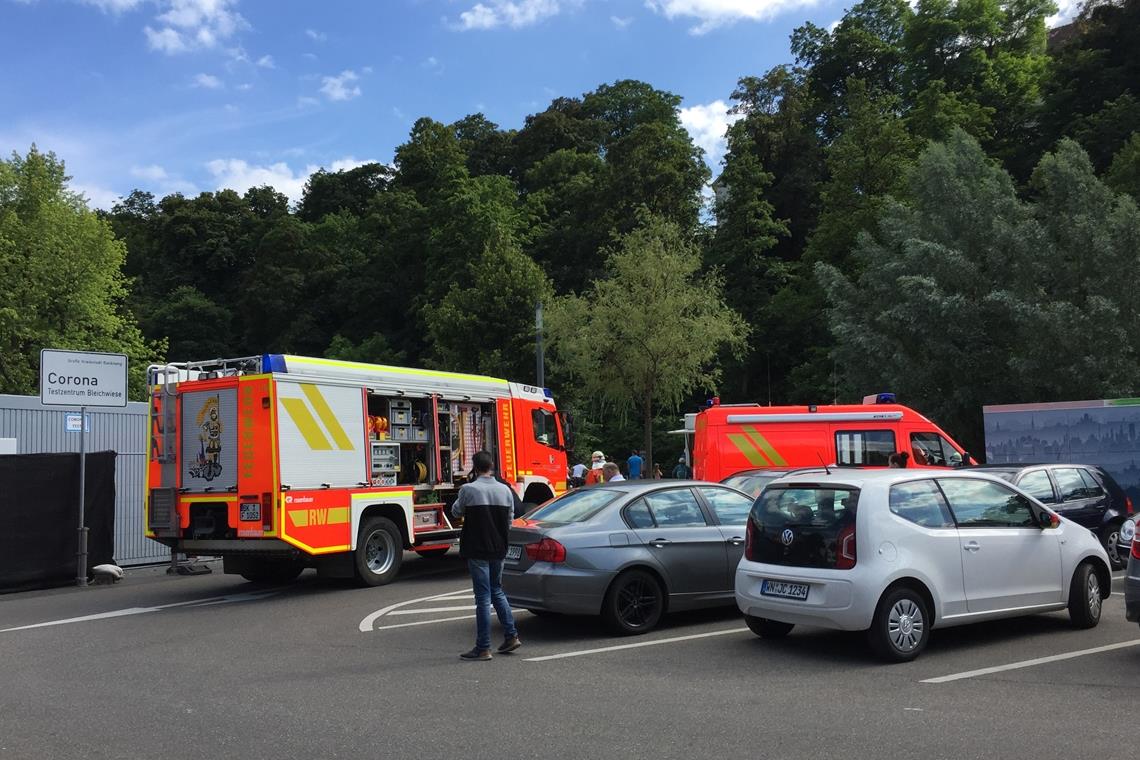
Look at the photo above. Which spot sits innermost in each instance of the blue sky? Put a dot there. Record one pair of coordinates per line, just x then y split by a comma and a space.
191, 95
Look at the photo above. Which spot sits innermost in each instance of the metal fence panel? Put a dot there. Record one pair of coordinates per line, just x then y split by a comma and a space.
42, 430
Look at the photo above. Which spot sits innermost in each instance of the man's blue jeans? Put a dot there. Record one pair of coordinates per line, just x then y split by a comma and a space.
487, 579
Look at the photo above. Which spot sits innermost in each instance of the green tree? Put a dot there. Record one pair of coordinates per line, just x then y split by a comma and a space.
1094, 85
867, 163
1124, 173
970, 296
346, 190
485, 322
61, 281
649, 334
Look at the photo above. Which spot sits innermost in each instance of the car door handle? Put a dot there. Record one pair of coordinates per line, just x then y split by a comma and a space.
736, 540
973, 546
660, 542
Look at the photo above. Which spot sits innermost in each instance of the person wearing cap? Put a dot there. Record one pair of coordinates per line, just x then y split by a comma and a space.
597, 462
681, 471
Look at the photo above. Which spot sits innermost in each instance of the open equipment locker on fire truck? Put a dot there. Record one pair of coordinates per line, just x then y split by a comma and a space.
278, 462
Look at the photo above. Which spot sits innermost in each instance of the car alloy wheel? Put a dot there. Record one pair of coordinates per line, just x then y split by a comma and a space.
1094, 600
1110, 540
905, 625
901, 626
634, 603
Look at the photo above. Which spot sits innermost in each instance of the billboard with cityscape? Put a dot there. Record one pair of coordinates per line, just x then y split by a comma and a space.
1104, 432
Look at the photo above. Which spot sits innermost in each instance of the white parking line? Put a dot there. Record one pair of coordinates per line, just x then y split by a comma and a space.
430, 622
422, 610
370, 619
583, 652
247, 597
1031, 663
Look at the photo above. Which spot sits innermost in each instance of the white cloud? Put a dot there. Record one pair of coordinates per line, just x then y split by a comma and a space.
244, 87
316, 36
97, 197
165, 41
433, 65
513, 13
714, 13
266, 62
152, 173
207, 82
306, 102
239, 175
114, 6
833, 25
341, 87
707, 125
1066, 11
186, 25
621, 23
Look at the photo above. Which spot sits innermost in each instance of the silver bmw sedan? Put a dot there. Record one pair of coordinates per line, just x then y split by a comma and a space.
629, 551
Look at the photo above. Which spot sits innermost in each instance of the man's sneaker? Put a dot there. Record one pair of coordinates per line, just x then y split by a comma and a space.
476, 654
510, 645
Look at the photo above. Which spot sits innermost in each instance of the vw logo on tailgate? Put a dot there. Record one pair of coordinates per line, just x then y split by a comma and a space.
787, 536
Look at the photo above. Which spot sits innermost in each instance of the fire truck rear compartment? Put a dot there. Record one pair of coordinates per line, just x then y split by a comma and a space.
209, 520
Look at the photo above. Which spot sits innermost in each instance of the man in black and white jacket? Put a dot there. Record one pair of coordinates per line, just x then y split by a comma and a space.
487, 507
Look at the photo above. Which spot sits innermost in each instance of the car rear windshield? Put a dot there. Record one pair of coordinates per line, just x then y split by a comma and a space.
799, 525
576, 506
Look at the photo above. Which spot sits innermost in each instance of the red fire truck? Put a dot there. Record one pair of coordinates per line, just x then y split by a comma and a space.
278, 462
729, 438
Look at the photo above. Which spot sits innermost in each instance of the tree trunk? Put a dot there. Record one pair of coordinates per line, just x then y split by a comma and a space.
647, 452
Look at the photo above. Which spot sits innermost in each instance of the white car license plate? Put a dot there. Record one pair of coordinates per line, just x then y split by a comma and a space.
250, 510
514, 552
784, 589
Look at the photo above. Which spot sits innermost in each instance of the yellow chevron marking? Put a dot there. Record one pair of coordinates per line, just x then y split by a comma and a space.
748, 449
326, 414
304, 421
762, 443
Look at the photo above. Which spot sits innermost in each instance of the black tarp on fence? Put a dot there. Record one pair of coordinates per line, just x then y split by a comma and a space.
39, 514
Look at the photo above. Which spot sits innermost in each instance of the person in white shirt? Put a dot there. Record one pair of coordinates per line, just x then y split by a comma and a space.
611, 473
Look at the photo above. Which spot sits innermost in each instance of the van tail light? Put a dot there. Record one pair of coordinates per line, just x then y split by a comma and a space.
750, 541
266, 512
845, 549
1128, 505
546, 550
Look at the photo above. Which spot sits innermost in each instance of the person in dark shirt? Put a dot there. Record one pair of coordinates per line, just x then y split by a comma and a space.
487, 507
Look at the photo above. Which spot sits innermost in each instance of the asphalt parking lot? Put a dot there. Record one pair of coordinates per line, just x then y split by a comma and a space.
213, 666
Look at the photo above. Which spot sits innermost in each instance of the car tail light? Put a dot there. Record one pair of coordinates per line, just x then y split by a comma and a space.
750, 541
546, 550
1136, 547
1128, 505
845, 549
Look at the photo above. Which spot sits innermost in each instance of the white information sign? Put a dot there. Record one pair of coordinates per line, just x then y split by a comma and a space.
82, 378
71, 423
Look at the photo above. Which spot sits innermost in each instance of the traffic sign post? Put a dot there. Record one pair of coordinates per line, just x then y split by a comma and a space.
88, 378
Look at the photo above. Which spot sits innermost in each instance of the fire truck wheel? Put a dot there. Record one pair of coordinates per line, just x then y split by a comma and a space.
379, 551
272, 571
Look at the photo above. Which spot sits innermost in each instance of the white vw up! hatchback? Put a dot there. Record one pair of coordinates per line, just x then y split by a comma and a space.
898, 552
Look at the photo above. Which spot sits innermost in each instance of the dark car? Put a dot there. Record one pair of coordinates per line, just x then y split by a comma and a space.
1084, 493
752, 482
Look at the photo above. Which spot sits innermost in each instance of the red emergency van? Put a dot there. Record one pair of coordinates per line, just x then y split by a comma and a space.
726, 439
